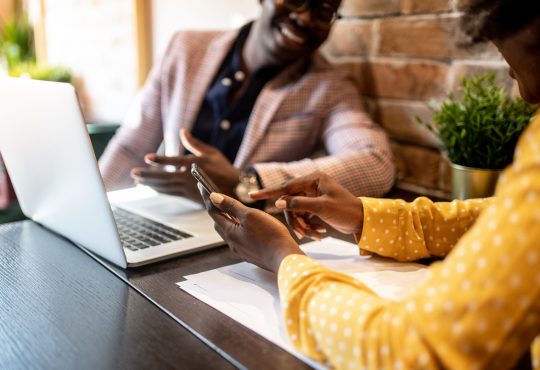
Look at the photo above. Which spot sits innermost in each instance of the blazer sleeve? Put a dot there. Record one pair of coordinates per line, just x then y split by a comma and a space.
421, 229
141, 133
357, 151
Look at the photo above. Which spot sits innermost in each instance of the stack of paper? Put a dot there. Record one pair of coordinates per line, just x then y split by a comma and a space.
250, 295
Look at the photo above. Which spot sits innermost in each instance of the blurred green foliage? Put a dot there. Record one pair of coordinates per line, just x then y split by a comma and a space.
42, 72
17, 47
17, 41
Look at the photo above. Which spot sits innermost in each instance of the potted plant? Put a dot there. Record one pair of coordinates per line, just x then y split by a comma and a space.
41, 72
17, 41
479, 131
18, 52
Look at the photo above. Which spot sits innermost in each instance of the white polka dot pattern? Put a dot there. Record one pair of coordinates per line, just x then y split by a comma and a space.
411, 231
479, 309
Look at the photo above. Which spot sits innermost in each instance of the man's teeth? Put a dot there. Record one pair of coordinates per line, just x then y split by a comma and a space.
289, 34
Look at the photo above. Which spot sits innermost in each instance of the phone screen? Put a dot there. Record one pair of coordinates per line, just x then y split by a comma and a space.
209, 186
203, 179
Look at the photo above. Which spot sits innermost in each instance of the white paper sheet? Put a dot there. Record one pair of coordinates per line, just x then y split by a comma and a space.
249, 294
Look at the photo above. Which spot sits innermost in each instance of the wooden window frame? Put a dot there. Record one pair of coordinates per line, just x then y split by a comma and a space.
143, 38
142, 11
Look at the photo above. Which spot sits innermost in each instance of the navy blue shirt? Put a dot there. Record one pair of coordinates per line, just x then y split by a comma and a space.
222, 122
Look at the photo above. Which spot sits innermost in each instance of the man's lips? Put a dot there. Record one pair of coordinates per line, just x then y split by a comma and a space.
291, 34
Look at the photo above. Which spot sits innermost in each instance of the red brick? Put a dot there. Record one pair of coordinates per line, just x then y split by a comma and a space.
369, 8
401, 80
422, 167
427, 37
398, 118
467, 69
351, 38
425, 6
462, 4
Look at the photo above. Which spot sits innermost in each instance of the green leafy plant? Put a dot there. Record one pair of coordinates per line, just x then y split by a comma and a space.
17, 47
17, 41
42, 72
481, 128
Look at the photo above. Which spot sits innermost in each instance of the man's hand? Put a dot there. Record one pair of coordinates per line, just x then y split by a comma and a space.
254, 235
180, 182
316, 194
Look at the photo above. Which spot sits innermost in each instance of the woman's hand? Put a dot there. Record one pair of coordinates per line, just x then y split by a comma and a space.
254, 235
316, 194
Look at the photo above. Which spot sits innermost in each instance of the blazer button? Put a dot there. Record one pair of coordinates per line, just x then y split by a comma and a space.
225, 125
226, 81
239, 76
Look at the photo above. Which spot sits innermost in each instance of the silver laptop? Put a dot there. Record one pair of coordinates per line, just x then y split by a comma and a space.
49, 156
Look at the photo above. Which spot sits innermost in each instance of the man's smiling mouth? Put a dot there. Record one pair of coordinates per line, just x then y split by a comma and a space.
291, 35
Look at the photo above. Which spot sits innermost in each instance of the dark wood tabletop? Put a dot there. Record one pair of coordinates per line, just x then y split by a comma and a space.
59, 309
243, 346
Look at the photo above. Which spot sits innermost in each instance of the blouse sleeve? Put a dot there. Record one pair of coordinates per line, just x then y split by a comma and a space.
421, 229
479, 309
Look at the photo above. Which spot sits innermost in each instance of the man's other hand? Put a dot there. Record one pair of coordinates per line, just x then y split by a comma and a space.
179, 181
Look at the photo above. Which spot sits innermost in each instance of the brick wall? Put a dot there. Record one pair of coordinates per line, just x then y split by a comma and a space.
404, 55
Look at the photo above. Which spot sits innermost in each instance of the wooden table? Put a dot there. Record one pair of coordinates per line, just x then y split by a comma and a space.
59, 309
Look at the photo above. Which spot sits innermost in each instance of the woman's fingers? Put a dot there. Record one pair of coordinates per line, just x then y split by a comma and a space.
301, 185
301, 204
302, 226
298, 227
232, 208
313, 234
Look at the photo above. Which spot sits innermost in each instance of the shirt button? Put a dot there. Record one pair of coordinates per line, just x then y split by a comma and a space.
225, 125
239, 76
226, 81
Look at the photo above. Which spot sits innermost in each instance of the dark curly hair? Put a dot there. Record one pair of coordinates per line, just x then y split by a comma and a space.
497, 19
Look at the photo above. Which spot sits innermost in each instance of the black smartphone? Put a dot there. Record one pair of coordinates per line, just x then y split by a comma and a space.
203, 179
208, 185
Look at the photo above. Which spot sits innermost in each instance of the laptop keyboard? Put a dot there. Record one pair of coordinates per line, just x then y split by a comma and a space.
137, 232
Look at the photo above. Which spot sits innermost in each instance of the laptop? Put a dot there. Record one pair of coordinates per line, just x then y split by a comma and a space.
48, 154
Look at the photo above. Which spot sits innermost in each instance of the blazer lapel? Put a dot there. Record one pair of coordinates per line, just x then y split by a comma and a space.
266, 105
201, 81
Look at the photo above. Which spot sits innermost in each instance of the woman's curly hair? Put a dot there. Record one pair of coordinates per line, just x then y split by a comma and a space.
497, 19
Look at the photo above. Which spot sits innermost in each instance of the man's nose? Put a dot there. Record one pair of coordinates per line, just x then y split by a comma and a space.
303, 17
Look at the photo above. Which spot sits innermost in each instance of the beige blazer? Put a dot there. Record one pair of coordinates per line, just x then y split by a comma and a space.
308, 118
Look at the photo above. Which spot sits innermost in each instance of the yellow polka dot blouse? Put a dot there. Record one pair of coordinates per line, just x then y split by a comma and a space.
479, 308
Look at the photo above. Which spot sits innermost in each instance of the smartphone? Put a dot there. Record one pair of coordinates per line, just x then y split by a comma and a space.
203, 179
208, 185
